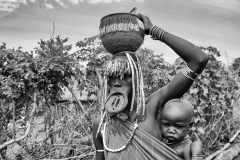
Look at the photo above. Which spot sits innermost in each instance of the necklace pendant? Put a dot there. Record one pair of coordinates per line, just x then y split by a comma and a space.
122, 116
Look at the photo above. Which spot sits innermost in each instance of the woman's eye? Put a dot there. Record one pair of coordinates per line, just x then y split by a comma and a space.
126, 76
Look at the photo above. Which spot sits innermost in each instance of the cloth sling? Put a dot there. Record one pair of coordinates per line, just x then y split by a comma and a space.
142, 147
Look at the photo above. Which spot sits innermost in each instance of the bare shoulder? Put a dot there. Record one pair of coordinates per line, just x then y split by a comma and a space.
96, 120
97, 138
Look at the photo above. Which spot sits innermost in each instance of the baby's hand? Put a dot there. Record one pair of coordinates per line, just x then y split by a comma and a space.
196, 146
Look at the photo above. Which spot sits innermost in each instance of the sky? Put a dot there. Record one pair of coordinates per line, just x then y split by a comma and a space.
203, 22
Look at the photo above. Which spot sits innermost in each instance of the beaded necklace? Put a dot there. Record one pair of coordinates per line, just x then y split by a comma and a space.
124, 146
175, 144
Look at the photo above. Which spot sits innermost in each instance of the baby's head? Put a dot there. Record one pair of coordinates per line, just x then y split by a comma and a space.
176, 117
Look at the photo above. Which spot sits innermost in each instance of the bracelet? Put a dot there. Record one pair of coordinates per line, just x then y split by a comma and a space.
197, 157
156, 33
188, 73
151, 30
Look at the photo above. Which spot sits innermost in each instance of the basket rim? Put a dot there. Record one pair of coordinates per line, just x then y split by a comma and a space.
119, 13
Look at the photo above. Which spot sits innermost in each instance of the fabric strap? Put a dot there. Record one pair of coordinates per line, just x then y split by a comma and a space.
143, 146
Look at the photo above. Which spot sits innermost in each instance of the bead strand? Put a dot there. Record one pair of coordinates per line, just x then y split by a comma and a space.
157, 33
133, 81
121, 148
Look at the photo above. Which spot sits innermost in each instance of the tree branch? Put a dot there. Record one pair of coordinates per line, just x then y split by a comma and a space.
80, 157
29, 124
75, 97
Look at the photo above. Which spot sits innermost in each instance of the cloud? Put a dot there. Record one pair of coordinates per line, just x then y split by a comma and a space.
61, 3
74, 1
49, 6
12, 5
226, 4
103, 1
99, 1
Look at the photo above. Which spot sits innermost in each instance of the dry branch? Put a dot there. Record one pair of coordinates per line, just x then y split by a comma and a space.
29, 124
81, 156
75, 97
224, 148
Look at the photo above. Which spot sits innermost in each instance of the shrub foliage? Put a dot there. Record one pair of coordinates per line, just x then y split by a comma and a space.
62, 124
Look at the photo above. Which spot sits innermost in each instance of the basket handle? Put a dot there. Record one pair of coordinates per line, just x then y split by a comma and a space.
133, 11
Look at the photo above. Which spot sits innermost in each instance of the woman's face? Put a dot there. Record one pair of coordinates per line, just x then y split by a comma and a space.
122, 84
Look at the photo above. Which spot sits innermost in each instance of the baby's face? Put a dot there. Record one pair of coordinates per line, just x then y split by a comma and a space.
174, 125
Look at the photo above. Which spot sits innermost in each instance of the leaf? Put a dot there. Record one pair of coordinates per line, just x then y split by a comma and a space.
218, 85
201, 130
194, 91
27, 75
205, 81
197, 119
205, 91
199, 109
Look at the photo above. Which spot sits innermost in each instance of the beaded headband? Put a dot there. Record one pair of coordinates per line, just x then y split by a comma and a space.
117, 68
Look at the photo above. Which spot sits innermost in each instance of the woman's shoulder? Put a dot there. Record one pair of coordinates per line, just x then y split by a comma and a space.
96, 120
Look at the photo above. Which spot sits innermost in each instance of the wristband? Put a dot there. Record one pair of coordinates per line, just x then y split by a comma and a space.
197, 157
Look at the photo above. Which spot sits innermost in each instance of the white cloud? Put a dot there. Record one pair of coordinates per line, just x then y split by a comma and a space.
23, 1
75, 1
61, 3
49, 6
227, 4
108, 1
11, 5
99, 1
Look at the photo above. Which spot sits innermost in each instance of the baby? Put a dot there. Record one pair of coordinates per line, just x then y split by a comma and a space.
176, 120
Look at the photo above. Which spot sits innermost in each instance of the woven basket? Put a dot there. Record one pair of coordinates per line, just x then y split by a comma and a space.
121, 32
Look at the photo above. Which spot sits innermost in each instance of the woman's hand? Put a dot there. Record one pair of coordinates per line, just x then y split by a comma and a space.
146, 22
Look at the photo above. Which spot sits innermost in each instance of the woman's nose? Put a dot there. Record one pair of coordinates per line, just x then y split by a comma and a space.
117, 83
